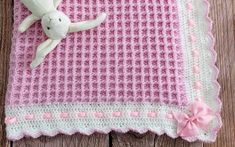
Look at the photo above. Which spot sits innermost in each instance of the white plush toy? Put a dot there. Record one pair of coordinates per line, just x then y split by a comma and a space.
54, 23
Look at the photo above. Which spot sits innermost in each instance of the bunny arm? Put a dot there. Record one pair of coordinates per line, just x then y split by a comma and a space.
27, 22
86, 25
56, 3
44, 49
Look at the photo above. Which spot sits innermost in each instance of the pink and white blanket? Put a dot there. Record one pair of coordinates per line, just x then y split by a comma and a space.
149, 67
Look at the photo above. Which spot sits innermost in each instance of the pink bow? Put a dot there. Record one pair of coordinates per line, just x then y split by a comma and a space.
189, 125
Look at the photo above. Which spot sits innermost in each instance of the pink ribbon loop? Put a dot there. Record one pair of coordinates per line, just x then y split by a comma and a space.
190, 124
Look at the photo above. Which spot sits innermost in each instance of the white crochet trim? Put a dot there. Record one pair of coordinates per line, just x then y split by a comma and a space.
90, 124
159, 124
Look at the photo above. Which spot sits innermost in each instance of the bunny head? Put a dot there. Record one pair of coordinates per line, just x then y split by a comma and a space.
55, 24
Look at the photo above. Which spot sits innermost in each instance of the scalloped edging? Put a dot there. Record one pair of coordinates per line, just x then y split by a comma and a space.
215, 70
91, 131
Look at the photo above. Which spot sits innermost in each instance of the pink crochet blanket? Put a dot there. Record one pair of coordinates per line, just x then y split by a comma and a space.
149, 66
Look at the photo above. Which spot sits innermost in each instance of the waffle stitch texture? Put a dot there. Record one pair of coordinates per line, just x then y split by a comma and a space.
136, 67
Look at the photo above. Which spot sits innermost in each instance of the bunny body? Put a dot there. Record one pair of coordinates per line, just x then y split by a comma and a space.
39, 7
55, 24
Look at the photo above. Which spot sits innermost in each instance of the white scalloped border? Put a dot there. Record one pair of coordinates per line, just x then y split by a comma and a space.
160, 124
206, 61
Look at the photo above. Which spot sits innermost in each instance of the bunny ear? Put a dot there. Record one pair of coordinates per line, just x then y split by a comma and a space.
89, 24
44, 49
28, 21
57, 2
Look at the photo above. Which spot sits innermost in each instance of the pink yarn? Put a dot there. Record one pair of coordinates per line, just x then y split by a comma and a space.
135, 56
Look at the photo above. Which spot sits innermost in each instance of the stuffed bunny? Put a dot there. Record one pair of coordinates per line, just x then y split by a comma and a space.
54, 23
